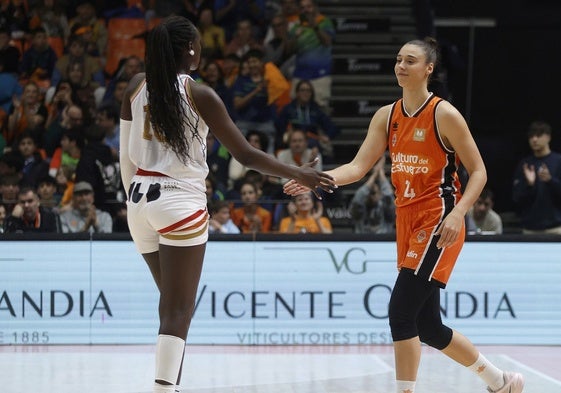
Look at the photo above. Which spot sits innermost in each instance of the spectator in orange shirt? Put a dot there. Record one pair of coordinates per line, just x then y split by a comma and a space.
251, 217
305, 216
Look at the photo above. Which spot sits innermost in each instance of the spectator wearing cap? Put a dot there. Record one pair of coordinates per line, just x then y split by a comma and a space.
84, 216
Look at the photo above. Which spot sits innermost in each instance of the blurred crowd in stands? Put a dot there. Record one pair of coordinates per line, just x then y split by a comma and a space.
64, 66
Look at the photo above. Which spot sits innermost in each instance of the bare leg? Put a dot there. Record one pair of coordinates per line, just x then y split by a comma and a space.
177, 278
153, 262
180, 269
461, 350
407, 358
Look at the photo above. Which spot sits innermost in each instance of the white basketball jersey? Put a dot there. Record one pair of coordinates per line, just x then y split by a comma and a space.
150, 154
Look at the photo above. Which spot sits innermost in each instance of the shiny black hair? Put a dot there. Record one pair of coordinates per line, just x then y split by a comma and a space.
165, 57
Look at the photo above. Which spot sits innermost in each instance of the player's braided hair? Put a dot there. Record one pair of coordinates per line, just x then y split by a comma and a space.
165, 51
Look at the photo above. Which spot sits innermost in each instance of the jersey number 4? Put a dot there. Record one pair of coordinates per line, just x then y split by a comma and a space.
409, 191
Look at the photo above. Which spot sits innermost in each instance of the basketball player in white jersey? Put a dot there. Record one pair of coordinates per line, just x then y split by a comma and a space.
165, 118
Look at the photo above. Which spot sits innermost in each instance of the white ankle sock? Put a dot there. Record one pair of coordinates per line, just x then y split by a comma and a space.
158, 388
487, 371
169, 354
405, 386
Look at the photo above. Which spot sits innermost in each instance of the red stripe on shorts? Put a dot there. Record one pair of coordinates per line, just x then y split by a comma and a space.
142, 172
182, 222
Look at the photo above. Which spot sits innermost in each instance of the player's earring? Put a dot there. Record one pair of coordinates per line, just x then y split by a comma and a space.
191, 52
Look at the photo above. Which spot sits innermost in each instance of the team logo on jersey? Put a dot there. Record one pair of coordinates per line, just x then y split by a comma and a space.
421, 236
395, 124
419, 134
394, 139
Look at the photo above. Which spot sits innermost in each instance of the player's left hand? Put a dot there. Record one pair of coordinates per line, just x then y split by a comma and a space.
449, 229
293, 188
313, 180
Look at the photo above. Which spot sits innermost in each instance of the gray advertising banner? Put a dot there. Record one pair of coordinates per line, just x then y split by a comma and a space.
271, 293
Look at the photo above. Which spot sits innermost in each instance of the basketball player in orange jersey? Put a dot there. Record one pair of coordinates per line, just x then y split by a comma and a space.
165, 118
427, 137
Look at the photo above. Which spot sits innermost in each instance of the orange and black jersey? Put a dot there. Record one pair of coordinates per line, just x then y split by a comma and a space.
422, 167
424, 174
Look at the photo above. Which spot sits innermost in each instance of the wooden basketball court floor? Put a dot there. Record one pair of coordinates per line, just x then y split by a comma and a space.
261, 369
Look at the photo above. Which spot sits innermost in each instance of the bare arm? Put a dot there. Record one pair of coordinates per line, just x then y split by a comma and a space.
126, 113
213, 111
456, 135
370, 151
455, 132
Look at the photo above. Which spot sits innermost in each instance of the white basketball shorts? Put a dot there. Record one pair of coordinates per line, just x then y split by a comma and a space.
162, 210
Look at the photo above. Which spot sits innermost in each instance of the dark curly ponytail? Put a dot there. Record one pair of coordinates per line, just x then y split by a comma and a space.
165, 49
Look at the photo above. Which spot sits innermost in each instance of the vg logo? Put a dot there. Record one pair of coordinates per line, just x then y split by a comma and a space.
353, 260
